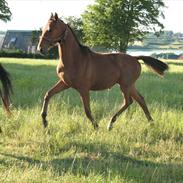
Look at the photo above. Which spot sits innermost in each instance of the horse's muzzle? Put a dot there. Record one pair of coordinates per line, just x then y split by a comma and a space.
39, 49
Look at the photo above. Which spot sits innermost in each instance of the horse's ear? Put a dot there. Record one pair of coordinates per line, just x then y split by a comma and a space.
51, 16
56, 16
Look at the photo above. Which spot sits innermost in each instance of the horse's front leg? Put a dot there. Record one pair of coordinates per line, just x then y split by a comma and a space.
58, 87
86, 102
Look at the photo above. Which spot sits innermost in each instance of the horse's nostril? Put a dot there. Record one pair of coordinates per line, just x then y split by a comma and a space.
39, 49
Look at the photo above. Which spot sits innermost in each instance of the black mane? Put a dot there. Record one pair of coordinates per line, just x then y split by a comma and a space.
84, 49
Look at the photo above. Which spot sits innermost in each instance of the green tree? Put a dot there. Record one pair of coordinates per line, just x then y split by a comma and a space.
113, 24
35, 36
5, 13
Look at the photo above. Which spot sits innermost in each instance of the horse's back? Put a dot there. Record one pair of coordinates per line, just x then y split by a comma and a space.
120, 63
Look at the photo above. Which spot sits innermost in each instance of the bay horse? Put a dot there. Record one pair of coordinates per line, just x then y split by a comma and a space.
6, 90
85, 70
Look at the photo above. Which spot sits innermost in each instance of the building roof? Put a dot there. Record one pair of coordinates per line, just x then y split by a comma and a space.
17, 39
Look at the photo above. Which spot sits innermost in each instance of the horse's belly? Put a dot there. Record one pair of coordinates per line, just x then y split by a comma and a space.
101, 87
105, 79
104, 83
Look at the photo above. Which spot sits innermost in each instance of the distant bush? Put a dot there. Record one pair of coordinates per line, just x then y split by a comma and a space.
22, 54
165, 55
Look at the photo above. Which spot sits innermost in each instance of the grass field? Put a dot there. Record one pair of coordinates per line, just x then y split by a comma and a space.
70, 151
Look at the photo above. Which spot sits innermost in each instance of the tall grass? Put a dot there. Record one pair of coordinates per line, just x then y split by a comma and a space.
70, 151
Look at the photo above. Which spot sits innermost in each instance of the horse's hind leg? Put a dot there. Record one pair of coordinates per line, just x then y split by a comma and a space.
86, 102
59, 86
127, 102
140, 100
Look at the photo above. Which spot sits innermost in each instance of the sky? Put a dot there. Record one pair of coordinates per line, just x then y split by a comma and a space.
33, 14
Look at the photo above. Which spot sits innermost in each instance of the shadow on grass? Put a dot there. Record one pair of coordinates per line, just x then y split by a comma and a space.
30, 84
98, 160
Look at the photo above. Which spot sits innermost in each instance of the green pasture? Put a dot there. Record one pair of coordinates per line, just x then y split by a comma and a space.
70, 151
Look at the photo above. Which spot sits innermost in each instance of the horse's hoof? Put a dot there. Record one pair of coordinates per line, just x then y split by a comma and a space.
109, 127
96, 127
45, 123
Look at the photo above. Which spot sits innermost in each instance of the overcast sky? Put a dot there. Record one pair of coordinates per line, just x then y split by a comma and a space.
33, 14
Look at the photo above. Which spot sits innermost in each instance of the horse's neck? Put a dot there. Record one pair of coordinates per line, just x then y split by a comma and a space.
69, 51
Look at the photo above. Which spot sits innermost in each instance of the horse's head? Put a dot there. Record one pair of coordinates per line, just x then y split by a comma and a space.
54, 32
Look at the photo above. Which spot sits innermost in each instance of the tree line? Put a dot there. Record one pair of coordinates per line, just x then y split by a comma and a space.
164, 38
112, 24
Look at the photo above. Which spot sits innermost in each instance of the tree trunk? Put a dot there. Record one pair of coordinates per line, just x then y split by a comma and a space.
123, 47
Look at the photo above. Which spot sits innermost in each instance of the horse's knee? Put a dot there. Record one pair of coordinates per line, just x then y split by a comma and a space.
141, 97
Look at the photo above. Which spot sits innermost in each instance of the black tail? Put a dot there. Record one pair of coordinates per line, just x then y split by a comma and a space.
158, 66
6, 88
